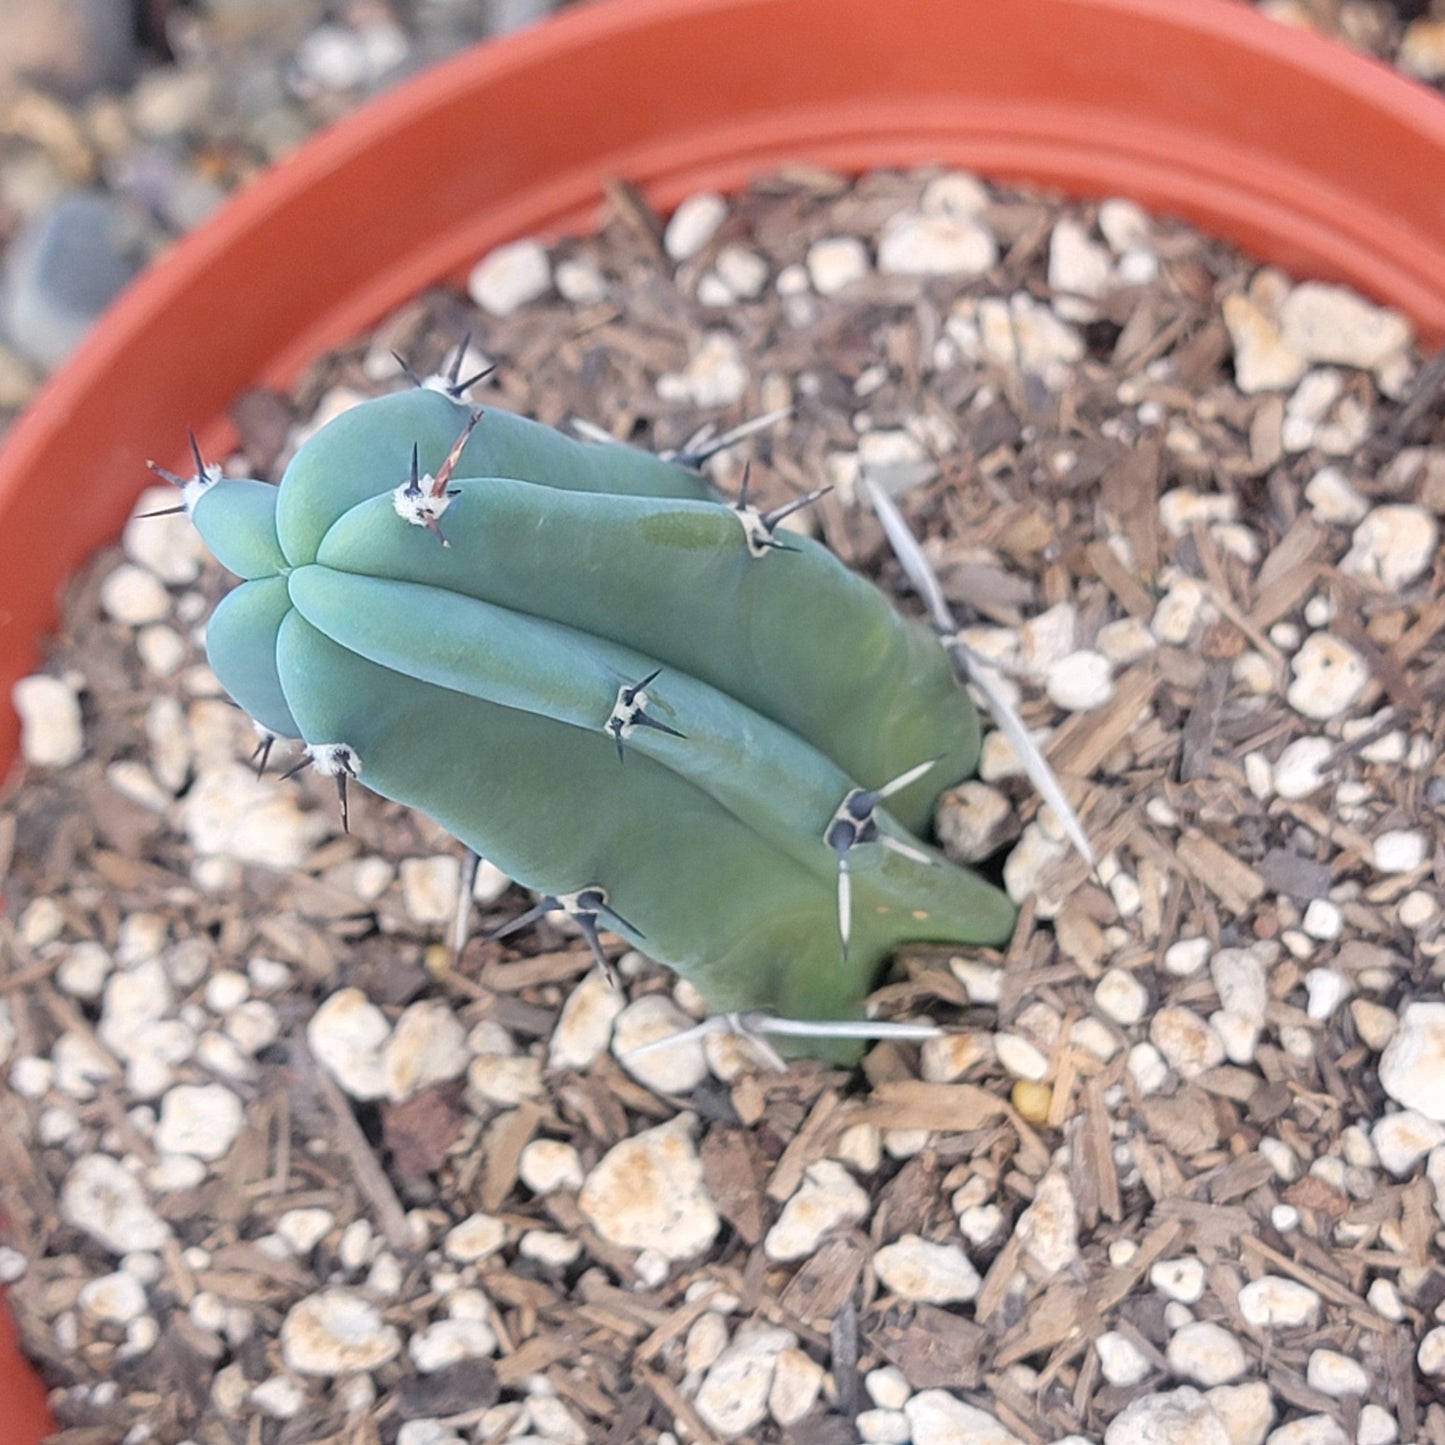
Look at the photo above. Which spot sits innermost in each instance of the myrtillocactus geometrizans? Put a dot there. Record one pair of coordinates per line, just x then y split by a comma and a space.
643, 703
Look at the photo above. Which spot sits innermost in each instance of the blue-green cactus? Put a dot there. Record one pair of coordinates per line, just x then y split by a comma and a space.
641, 702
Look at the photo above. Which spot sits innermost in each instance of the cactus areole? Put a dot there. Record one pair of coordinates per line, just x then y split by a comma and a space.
649, 706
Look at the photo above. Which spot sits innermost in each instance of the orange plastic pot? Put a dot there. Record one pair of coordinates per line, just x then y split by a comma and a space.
1306, 155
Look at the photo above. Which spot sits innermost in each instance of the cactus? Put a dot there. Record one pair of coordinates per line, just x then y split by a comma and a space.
651, 707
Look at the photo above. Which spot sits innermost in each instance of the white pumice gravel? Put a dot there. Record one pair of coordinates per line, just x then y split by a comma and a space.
828, 1198
1275, 1302
693, 224
52, 734
348, 1035
1412, 1068
924, 1272
336, 1332
647, 1192
509, 277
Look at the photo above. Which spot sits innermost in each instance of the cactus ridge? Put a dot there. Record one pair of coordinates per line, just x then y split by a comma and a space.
478, 616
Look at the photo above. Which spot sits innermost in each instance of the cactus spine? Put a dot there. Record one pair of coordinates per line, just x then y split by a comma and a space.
643, 703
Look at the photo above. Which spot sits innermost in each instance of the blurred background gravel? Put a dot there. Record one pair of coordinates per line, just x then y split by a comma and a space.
125, 123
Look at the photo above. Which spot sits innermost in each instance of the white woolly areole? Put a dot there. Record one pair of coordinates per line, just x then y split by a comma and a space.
759, 535
329, 759
193, 490
416, 505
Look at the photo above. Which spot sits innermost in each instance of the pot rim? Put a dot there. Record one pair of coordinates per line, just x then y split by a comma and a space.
1207, 109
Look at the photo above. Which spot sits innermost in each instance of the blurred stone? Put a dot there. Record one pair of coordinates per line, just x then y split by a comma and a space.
63, 269
76, 46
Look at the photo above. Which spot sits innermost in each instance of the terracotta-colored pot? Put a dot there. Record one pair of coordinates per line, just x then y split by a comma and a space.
1303, 153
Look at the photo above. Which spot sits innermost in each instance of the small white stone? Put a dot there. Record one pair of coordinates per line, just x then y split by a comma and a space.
549, 1165
51, 731
1403, 1139
1049, 1228
202, 1120
915, 1269
579, 282
226, 990
168, 547
1336, 1375
883, 1427
1021, 1058
1120, 1361
828, 1198
429, 888
887, 1387
303, 1229
449, 1342
1178, 1417
1125, 641
115, 1299
475, 1238
1323, 920
647, 1192
733, 1396
1274, 1302
550, 1247
937, 1417
1400, 851
1028, 866
835, 263
510, 277
716, 376
1417, 909
132, 596
1121, 996
1080, 681
675, 1069
1263, 360
104, 1200
693, 224
1412, 1068
83, 973
1147, 1068
1178, 612
797, 1383
914, 244
974, 820
1206, 1354
1079, 269
1301, 767
336, 1332
1335, 325
279, 1397
1431, 1354
1329, 677
230, 813
1183, 508
1179, 1279
742, 271
348, 1035
1327, 989
1186, 956
504, 1079
253, 1026
1246, 1410
945, 1059
1392, 547
1189, 1044
428, 1046
584, 1026
1377, 1426
1333, 499
1310, 1430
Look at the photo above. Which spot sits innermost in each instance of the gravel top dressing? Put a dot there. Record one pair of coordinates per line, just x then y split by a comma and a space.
282, 1166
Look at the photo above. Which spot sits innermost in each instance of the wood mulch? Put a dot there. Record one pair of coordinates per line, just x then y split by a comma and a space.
1022, 482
